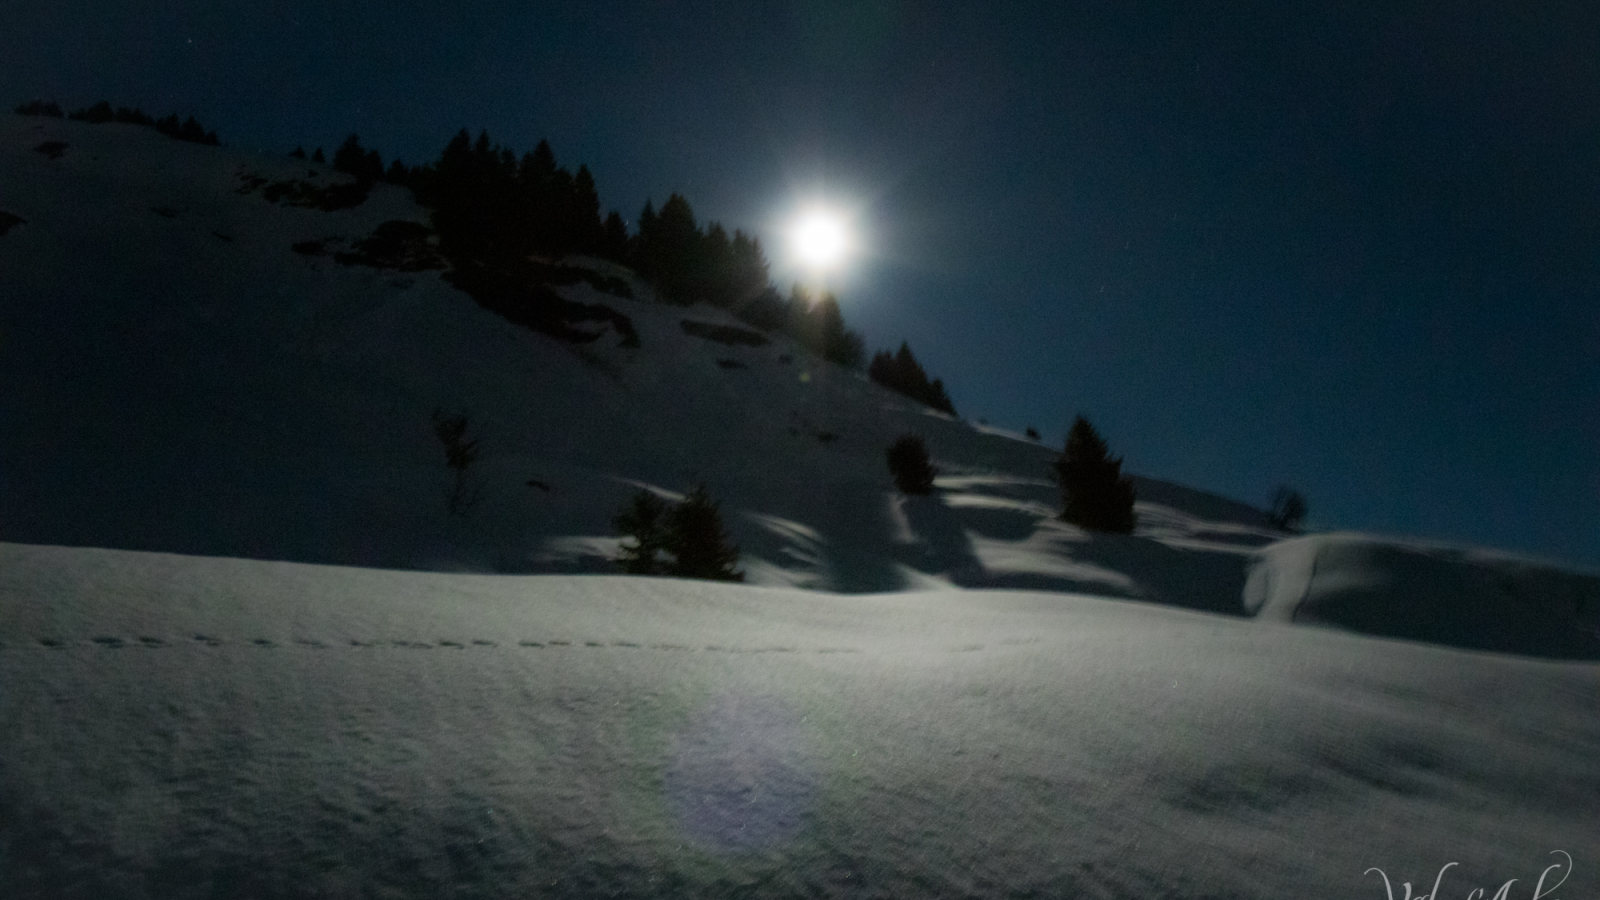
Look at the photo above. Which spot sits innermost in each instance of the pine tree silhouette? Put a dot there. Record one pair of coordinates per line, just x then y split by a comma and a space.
1288, 509
902, 373
908, 463
645, 521
1095, 495
697, 542
614, 244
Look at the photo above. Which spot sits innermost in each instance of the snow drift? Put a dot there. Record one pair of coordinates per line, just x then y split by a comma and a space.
1460, 596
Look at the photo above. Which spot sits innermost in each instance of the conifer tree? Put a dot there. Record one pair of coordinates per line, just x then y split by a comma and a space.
713, 265
902, 373
1095, 494
699, 546
667, 249
908, 463
614, 243
538, 168
747, 276
1288, 509
587, 232
766, 310
645, 522
839, 344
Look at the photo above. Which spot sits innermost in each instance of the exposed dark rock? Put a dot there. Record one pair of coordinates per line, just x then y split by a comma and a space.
724, 334
396, 244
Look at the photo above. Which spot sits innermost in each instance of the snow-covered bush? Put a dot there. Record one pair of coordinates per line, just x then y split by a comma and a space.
908, 462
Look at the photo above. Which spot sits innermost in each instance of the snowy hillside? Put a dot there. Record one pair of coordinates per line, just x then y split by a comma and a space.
208, 398
191, 382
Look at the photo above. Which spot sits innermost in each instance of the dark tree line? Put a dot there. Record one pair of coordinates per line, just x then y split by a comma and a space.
365, 165
689, 264
489, 204
902, 373
187, 130
493, 209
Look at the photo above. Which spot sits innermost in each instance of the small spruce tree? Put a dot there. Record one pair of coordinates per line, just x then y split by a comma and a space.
685, 540
1288, 509
699, 546
1095, 494
644, 521
908, 463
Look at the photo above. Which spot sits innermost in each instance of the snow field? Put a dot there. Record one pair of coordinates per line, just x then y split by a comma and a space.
178, 724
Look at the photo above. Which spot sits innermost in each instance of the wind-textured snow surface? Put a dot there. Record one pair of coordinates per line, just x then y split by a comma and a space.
196, 727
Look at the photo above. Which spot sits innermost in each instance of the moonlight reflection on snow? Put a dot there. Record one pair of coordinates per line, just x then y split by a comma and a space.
739, 778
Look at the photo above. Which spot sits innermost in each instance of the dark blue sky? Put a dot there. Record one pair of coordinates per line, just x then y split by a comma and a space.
1350, 246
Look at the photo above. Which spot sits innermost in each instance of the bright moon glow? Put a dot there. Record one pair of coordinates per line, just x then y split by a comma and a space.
820, 239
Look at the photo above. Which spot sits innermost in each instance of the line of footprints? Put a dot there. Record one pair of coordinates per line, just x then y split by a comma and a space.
113, 643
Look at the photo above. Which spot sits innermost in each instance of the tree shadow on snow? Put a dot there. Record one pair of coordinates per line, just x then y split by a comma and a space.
941, 541
1206, 580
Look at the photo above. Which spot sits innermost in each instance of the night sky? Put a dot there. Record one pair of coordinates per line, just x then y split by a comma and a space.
1351, 246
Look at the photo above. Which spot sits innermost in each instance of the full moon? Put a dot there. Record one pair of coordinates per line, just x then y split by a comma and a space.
820, 239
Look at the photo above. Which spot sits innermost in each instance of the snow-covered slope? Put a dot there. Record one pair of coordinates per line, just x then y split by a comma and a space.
179, 378
1464, 597
197, 727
